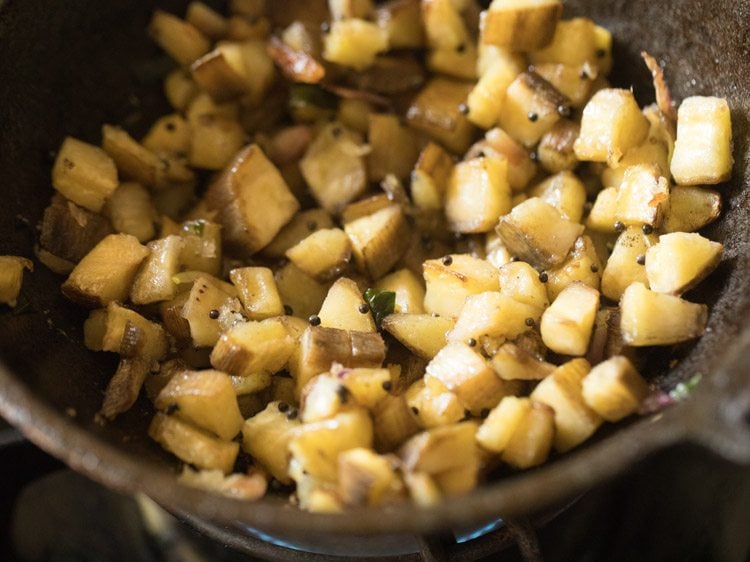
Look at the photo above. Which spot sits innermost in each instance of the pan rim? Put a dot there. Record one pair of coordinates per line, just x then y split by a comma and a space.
54, 432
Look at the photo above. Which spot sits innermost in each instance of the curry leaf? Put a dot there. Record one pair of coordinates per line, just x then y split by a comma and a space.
382, 303
682, 390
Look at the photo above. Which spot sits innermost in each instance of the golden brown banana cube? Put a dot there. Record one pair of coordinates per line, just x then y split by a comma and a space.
135, 161
322, 398
378, 240
344, 308
365, 387
486, 99
334, 168
84, 173
303, 294
218, 73
555, 150
128, 333
258, 292
94, 328
323, 255
643, 196
153, 283
703, 150
11, 278
457, 63
461, 480
520, 281
327, 394
652, 151
193, 445
180, 39
266, 437
354, 43
625, 264
423, 490
520, 25
569, 80
423, 334
537, 233
235, 69
393, 423
432, 404
252, 201
214, 142
521, 168
582, 265
440, 449
602, 217
531, 108
300, 227
444, 27
409, 291
429, 180
253, 347
180, 89
691, 208
469, 376
364, 207
435, 112
320, 347
201, 246
612, 124
453, 278
107, 272
512, 362
488, 55
366, 478
402, 21
574, 43
497, 429
478, 194
252, 384
680, 261
393, 147
206, 294
614, 389
205, 399
203, 105
316, 446
210, 22
494, 315
564, 191
131, 211
532, 439
567, 324
562, 391
650, 318
316, 496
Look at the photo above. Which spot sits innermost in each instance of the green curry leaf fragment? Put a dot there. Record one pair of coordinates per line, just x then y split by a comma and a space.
382, 303
683, 390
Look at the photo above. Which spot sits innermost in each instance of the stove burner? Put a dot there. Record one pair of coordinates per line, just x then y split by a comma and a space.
476, 543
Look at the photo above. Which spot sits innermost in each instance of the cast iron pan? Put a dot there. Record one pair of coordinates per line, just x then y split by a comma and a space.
66, 68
